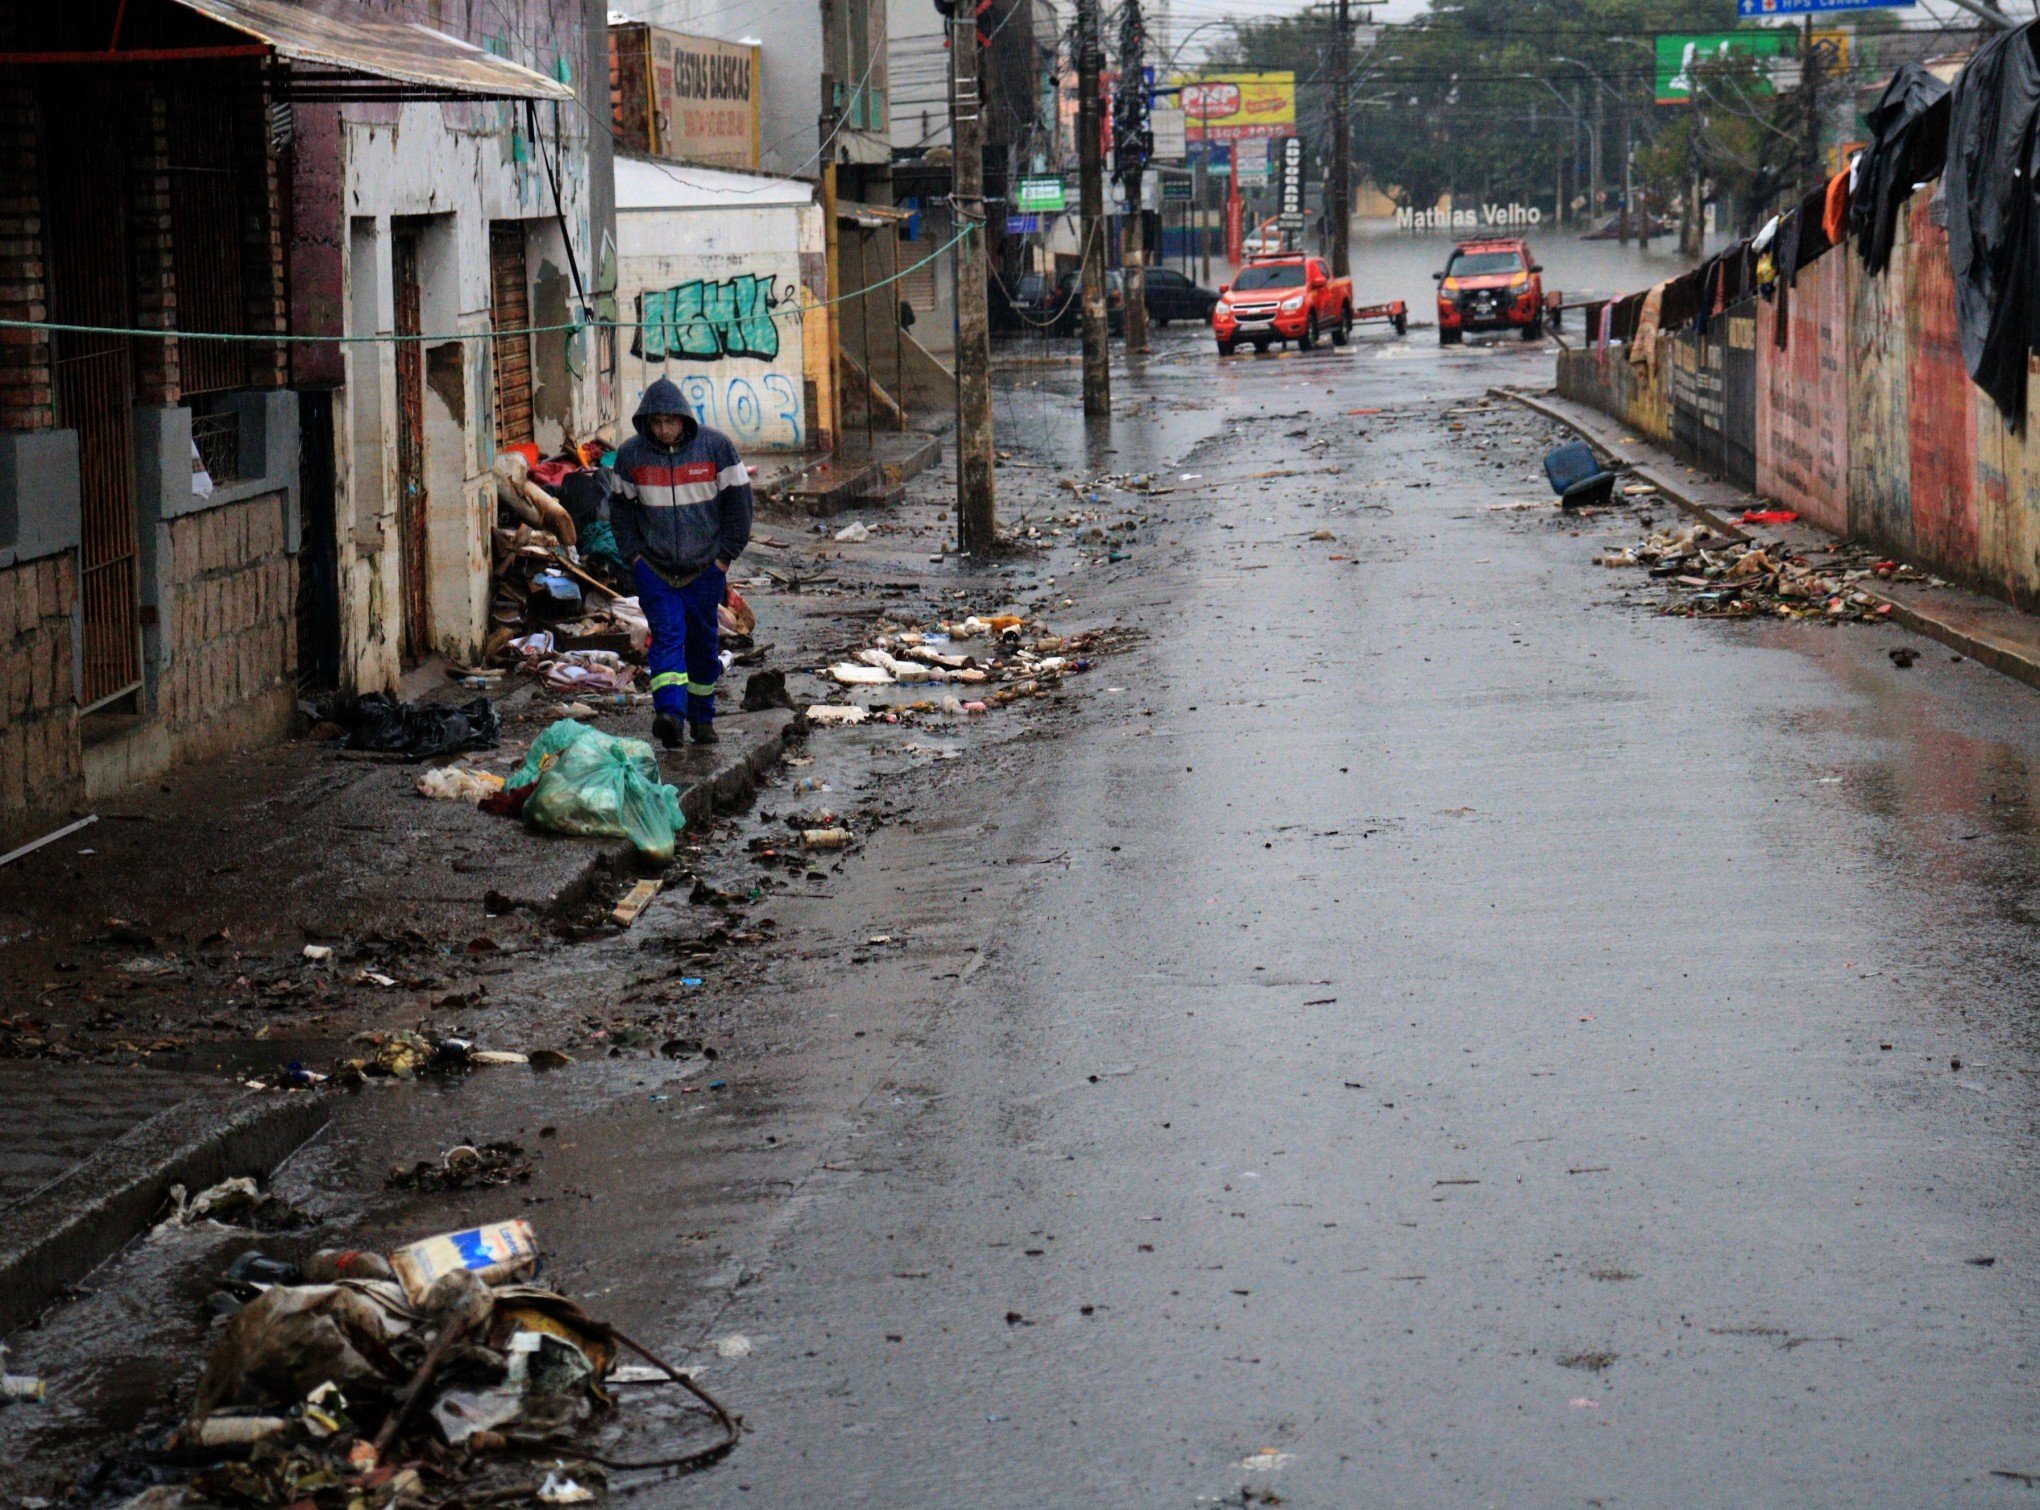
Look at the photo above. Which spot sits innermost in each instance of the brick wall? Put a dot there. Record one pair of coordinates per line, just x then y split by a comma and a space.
263, 293
232, 615
40, 768
24, 354
157, 378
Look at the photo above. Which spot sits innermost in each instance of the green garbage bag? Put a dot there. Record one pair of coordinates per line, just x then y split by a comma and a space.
588, 782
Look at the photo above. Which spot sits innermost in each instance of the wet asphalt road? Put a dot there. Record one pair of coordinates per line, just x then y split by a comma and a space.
1459, 1039
1416, 1028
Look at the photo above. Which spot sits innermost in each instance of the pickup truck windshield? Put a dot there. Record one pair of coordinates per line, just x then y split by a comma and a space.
1482, 264
1282, 275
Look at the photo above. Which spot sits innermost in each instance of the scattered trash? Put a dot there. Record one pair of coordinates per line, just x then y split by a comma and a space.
459, 783
582, 781
331, 1264
635, 901
318, 954
826, 838
1266, 1460
1768, 516
827, 715
493, 1254
563, 1491
1903, 656
1714, 577
351, 1385
238, 1202
854, 534
734, 1346
465, 1166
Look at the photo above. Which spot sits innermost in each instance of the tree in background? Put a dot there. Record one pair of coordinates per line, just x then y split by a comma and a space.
1482, 98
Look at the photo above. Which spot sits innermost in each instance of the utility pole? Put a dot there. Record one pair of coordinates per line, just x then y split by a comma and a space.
1338, 201
1091, 213
1594, 195
1628, 175
1809, 92
1131, 144
977, 522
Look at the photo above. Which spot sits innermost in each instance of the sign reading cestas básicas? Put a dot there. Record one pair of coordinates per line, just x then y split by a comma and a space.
706, 96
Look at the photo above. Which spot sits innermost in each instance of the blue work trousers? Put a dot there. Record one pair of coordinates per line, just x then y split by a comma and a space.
683, 659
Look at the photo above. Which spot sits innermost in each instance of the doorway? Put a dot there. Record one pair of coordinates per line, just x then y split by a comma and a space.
92, 377
413, 554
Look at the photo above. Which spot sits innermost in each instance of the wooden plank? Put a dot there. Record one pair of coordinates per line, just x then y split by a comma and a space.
636, 901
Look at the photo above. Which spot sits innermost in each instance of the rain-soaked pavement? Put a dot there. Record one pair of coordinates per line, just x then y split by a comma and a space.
1416, 1028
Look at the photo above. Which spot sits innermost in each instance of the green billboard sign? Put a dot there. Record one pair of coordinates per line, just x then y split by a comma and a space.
1678, 54
1039, 195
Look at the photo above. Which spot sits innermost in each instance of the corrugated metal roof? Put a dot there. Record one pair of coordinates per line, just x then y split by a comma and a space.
649, 184
405, 51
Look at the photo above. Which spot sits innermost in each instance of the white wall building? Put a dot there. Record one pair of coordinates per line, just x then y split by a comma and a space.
716, 270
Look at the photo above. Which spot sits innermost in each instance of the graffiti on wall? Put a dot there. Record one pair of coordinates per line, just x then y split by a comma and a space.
749, 411
706, 320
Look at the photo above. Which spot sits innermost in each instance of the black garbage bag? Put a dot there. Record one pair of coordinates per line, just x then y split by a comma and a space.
1992, 157
417, 731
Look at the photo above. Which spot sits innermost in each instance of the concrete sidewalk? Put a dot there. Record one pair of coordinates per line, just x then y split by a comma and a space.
193, 898
1986, 629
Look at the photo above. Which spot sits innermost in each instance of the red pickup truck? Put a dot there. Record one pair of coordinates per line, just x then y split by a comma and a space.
1494, 284
1287, 297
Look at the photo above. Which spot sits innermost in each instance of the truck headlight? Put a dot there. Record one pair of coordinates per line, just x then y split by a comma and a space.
1221, 308
1291, 305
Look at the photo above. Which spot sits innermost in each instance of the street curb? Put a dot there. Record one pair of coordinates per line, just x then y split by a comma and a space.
2002, 654
53, 1238
736, 777
729, 784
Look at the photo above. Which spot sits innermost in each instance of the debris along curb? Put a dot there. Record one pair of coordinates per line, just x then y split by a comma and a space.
1992, 633
53, 1238
752, 745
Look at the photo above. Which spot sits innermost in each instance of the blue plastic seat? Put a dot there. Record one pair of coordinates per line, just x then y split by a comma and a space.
1577, 476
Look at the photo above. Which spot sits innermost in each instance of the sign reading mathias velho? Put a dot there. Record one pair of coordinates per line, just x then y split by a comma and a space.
705, 94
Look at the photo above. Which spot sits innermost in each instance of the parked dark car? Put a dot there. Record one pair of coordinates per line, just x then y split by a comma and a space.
1069, 304
1171, 296
1027, 307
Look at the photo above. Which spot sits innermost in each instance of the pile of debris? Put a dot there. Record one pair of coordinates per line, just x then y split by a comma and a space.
1001, 654
562, 607
1714, 577
437, 1374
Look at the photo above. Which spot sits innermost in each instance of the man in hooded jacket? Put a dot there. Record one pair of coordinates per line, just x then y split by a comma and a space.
682, 515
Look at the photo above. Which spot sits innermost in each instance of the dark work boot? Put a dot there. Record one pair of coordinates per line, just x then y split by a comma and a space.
667, 729
703, 733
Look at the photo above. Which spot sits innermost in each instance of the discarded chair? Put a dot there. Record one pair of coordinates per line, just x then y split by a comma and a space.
1577, 476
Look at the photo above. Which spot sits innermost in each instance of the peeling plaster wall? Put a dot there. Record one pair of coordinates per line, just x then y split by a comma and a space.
462, 165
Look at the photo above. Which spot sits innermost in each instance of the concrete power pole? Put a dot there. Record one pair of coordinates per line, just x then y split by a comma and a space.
1338, 198
1131, 144
977, 524
1091, 213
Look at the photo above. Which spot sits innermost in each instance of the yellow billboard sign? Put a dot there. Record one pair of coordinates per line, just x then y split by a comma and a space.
1231, 107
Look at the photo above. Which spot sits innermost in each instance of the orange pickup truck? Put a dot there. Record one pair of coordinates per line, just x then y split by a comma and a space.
1495, 284
1287, 297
